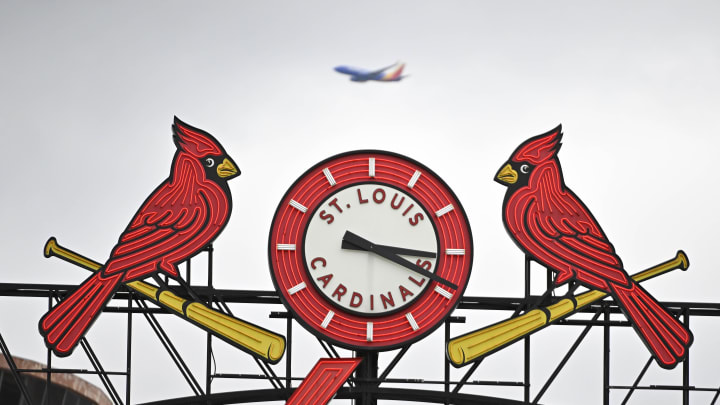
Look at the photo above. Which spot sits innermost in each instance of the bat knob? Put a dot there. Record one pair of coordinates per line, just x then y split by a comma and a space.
50, 246
684, 261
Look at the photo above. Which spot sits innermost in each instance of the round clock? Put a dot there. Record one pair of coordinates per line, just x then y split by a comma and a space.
370, 250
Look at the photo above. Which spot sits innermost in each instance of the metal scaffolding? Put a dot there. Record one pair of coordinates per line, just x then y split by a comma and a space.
369, 384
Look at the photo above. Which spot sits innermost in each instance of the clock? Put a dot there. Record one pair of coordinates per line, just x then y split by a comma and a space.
370, 250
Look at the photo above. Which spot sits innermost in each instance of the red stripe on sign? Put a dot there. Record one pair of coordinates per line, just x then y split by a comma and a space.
323, 381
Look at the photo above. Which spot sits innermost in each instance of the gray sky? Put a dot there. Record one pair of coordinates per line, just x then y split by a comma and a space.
88, 91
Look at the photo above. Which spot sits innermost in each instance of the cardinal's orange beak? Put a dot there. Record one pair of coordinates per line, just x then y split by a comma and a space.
507, 175
227, 169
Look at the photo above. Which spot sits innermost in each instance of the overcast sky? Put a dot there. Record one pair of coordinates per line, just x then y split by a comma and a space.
88, 91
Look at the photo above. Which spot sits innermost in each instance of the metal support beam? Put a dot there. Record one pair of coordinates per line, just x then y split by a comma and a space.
128, 351
46, 394
112, 392
14, 370
467, 375
715, 398
606, 356
269, 374
171, 350
329, 349
393, 363
372, 387
288, 353
446, 362
208, 344
637, 381
366, 377
686, 365
526, 341
564, 361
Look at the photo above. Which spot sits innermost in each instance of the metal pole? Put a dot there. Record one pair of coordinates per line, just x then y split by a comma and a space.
128, 361
447, 363
210, 250
48, 381
526, 377
208, 362
170, 348
187, 272
13, 370
366, 377
686, 364
549, 281
565, 359
288, 357
467, 375
606, 357
637, 381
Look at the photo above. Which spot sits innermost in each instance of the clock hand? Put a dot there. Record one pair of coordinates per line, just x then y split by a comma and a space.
363, 244
393, 249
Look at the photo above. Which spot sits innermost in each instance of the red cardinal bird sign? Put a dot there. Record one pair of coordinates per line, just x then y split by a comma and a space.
556, 229
182, 216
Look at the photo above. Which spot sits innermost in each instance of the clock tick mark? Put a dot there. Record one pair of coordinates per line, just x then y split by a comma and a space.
414, 179
327, 319
444, 210
298, 206
445, 293
329, 176
297, 288
411, 321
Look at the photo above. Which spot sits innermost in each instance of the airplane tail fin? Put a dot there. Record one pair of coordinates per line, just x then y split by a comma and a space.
395, 74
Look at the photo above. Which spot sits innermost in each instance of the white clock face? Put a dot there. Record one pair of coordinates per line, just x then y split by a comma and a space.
355, 279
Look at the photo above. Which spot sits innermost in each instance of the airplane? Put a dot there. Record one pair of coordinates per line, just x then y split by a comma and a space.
380, 75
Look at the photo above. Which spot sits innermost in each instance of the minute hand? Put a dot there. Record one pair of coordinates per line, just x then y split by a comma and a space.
389, 254
393, 250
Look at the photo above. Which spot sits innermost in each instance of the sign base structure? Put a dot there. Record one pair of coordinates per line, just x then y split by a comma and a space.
369, 384
323, 381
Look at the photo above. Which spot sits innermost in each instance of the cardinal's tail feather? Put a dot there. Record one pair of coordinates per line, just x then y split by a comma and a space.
667, 339
67, 322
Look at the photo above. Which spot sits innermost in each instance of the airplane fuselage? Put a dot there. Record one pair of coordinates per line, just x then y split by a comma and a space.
381, 75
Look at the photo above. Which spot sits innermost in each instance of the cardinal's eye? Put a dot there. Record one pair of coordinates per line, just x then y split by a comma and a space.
209, 162
525, 169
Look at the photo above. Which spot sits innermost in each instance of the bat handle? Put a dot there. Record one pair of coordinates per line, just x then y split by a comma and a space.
50, 247
53, 249
680, 261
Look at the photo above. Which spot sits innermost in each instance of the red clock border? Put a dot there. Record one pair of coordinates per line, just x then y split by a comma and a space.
299, 294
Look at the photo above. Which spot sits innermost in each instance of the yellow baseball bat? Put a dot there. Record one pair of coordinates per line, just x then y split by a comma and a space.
471, 346
250, 338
